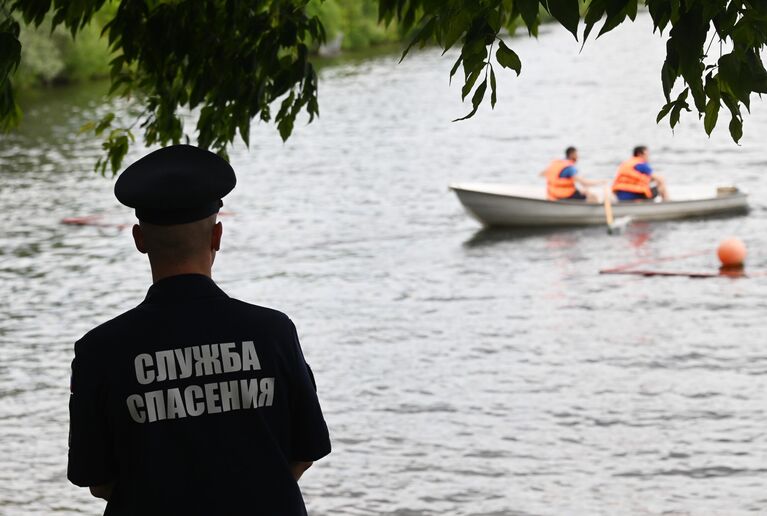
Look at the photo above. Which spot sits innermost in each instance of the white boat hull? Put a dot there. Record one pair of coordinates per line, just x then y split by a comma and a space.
523, 206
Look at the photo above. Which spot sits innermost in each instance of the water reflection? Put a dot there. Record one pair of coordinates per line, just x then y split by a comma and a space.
639, 234
490, 236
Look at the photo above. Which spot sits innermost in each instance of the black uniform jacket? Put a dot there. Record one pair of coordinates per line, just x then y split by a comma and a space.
194, 403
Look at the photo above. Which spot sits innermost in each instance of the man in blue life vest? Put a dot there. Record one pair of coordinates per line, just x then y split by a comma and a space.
636, 181
192, 403
563, 183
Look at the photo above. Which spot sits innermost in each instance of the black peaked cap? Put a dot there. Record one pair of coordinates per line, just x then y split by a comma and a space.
175, 185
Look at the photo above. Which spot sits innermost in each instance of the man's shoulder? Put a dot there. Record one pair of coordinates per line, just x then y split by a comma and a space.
643, 167
261, 313
109, 329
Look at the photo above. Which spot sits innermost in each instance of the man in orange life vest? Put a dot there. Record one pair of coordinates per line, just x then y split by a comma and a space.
562, 180
634, 179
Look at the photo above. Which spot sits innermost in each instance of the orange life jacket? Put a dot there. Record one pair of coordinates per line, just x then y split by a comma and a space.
559, 187
628, 179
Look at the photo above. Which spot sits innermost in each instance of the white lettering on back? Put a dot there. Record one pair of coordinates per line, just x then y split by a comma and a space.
206, 358
184, 361
230, 358
193, 397
266, 396
250, 360
155, 405
142, 363
175, 404
230, 396
195, 400
136, 408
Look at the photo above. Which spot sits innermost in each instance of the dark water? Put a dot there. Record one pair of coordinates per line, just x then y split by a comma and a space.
462, 371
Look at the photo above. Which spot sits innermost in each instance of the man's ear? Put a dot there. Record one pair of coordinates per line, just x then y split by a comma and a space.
215, 241
138, 239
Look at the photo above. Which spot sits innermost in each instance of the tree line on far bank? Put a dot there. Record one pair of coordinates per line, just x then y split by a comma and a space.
54, 57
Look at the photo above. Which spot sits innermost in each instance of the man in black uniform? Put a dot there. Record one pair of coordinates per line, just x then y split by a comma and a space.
192, 403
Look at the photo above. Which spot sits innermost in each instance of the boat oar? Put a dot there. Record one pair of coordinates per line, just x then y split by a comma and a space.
613, 225
608, 208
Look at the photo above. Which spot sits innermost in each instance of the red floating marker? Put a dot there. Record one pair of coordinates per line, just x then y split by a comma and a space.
87, 220
92, 220
732, 253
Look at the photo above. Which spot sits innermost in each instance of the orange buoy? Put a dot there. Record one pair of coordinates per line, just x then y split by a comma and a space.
731, 252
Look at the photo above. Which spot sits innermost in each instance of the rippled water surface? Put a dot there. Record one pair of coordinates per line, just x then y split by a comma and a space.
462, 371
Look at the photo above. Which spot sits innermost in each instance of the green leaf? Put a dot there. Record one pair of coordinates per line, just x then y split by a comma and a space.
470, 81
476, 100
712, 113
100, 166
422, 36
660, 12
735, 76
455, 67
617, 11
675, 113
732, 104
474, 52
386, 11
10, 50
117, 153
736, 129
493, 96
529, 10
725, 20
596, 9
687, 37
457, 26
664, 111
670, 70
631, 9
675, 5
743, 33
567, 12
10, 112
285, 127
712, 87
757, 75
679, 104
508, 58
104, 123
494, 21
87, 127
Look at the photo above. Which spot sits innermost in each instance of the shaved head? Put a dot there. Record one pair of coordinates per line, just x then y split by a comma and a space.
178, 242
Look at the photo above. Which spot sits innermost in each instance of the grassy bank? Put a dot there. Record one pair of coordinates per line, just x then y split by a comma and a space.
54, 58
353, 24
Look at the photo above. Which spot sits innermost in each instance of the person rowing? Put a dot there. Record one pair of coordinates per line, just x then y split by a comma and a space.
636, 181
563, 183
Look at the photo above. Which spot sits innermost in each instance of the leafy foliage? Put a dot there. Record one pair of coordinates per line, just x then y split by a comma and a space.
230, 61
226, 60
10, 57
727, 78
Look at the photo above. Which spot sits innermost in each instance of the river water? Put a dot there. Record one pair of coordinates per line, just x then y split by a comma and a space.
462, 371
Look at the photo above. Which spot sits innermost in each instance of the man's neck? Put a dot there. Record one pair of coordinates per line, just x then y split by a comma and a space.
162, 271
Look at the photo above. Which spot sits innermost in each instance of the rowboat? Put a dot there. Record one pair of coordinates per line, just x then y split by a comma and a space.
495, 204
